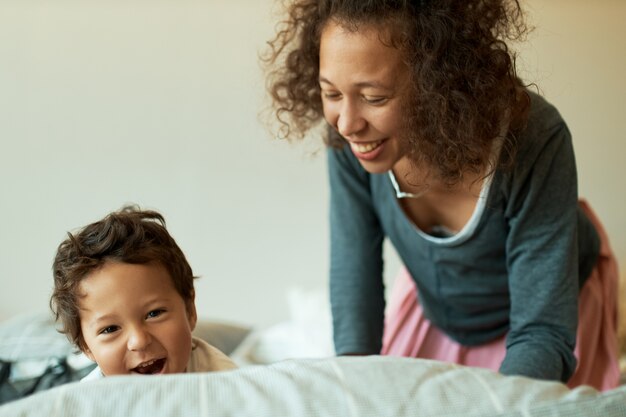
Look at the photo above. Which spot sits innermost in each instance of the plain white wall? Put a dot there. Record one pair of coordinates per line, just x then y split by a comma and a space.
153, 102
156, 102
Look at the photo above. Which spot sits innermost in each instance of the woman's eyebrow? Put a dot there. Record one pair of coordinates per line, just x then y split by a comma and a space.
362, 84
373, 84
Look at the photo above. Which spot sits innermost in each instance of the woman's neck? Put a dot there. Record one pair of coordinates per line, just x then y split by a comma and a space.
418, 180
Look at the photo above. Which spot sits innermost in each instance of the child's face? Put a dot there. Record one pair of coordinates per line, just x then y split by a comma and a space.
134, 321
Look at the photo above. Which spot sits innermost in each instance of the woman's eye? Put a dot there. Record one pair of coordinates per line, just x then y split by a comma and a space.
109, 329
154, 313
375, 100
331, 95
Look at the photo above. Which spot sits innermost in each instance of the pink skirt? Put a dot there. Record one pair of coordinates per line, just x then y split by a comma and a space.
408, 333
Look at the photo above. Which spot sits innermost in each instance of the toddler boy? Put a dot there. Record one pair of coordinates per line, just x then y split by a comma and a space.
124, 295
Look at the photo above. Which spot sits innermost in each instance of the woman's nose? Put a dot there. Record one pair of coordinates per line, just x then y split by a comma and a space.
350, 122
138, 339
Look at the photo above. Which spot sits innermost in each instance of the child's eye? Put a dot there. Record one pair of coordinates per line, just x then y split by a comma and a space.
109, 329
155, 313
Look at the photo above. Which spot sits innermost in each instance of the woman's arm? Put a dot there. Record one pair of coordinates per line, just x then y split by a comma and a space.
356, 285
542, 258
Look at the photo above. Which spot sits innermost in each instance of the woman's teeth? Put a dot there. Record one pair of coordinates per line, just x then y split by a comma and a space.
365, 147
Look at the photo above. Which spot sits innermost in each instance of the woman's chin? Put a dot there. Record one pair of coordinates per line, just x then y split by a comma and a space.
376, 167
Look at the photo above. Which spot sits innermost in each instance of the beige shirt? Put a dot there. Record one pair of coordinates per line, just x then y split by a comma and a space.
207, 358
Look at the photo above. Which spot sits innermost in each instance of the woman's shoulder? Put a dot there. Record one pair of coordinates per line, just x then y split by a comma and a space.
545, 143
543, 117
545, 129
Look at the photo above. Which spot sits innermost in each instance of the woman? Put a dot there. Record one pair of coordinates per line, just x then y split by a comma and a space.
436, 144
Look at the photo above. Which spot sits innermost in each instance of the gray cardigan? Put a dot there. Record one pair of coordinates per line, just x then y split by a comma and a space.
518, 272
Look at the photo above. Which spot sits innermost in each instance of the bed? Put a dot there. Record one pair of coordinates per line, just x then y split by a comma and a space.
348, 386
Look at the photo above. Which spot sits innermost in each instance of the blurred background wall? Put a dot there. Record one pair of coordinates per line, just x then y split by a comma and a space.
157, 103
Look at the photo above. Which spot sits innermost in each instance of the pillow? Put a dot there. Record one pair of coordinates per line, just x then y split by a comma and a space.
32, 336
224, 336
307, 333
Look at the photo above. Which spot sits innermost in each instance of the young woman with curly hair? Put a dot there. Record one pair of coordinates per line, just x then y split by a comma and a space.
436, 144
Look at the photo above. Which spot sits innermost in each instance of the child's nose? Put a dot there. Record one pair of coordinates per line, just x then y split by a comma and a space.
138, 339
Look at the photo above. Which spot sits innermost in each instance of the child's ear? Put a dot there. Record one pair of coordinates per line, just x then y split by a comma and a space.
83, 348
88, 353
192, 315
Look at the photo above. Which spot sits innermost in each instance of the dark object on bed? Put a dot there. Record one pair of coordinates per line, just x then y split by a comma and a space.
57, 372
34, 356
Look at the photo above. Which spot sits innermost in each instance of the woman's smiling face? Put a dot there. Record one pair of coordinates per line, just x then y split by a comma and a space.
363, 82
133, 320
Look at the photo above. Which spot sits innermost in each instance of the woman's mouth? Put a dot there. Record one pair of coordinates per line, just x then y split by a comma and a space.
154, 366
367, 150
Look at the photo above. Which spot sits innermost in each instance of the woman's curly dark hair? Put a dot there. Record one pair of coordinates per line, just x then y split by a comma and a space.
464, 82
129, 235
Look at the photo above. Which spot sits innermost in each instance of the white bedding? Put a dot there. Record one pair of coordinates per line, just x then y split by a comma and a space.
348, 386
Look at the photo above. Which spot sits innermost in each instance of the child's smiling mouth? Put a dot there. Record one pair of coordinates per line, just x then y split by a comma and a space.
154, 366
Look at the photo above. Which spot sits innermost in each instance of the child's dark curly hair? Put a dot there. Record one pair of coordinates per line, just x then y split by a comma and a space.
129, 235
464, 82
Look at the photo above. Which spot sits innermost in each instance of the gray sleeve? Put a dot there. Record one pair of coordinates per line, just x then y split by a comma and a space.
356, 237
542, 260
